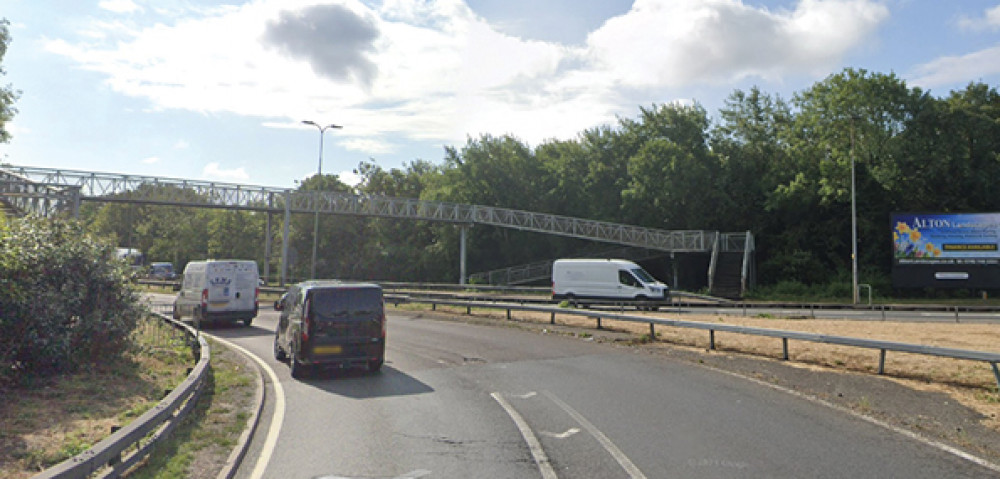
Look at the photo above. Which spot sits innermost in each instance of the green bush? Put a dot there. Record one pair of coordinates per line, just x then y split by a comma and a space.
65, 302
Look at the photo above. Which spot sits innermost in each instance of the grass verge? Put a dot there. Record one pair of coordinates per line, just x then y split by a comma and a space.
48, 421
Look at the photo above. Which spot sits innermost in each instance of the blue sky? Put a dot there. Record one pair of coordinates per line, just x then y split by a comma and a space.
217, 90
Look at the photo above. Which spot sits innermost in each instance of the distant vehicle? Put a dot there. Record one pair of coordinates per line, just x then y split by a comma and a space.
133, 258
218, 291
331, 324
579, 280
162, 271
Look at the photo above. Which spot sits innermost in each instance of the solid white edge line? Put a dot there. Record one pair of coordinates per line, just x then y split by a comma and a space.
544, 466
609, 446
279, 410
898, 430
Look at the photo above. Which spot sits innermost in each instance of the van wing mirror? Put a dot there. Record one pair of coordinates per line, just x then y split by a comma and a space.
279, 305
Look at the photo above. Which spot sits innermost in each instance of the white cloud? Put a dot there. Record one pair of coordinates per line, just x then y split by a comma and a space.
680, 42
367, 146
989, 21
435, 71
152, 160
119, 6
957, 69
213, 171
349, 178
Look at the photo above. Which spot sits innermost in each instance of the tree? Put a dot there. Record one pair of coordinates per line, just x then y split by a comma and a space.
7, 93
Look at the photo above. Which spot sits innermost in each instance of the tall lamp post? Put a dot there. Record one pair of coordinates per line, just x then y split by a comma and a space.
322, 129
854, 224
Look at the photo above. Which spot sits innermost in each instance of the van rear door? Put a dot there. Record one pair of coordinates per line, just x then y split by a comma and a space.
346, 321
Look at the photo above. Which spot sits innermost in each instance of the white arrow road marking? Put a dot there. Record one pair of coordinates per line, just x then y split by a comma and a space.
544, 466
563, 435
526, 396
619, 456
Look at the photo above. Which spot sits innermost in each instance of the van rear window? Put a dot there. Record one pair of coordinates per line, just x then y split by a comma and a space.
346, 302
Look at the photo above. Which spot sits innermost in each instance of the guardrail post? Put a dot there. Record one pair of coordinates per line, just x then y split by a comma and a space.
552, 320
881, 361
599, 322
468, 310
956, 314
508, 314
652, 332
711, 339
996, 374
784, 349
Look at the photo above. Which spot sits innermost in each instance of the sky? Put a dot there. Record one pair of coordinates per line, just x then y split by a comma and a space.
218, 90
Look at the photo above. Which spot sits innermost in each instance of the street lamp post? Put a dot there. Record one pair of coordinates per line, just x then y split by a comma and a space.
854, 224
319, 171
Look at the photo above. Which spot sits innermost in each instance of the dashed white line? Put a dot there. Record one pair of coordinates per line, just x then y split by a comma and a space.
616, 453
544, 466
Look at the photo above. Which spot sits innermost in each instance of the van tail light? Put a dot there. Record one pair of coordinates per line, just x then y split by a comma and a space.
204, 299
256, 297
307, 320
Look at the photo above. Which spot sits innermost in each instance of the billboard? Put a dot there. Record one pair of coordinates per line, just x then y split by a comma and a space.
958, 250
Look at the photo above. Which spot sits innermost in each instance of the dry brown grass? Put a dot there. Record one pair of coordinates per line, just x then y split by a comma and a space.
48, 421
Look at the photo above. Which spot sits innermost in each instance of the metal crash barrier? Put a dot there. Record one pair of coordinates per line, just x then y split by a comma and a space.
111, 456
882, 346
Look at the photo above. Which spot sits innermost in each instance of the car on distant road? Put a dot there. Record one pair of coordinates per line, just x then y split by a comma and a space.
162, 271
326, 324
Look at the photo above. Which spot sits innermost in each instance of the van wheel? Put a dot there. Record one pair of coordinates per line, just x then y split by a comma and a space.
296, 368
571, 298
279, 353
176, 315
375, 365
246, 322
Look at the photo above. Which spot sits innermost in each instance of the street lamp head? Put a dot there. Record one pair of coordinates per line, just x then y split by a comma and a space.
309, 122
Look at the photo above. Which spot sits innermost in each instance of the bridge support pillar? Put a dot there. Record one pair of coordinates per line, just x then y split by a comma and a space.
284, 237
461, 261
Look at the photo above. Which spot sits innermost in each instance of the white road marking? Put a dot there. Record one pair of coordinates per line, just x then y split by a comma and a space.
609, 446
279, 411
562, 435
526, 396
544, 466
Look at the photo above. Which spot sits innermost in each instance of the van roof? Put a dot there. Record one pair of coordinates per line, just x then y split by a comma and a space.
596, 260
336, 283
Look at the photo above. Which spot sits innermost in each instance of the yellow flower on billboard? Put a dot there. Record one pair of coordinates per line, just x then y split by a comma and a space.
902, 227
914, 236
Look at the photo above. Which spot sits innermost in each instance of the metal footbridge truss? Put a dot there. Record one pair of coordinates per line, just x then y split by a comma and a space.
109, 187
48, 192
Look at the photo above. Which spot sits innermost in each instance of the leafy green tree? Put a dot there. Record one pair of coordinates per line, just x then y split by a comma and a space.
673, 176
8, 96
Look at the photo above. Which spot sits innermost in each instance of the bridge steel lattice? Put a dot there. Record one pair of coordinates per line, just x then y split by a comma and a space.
64, 187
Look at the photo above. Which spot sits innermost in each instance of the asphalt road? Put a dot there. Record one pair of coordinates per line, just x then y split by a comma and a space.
459, 400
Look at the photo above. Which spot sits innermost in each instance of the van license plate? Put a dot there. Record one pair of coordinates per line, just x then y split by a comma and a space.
328, 349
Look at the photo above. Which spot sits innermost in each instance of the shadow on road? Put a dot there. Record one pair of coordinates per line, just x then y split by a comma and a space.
364, 385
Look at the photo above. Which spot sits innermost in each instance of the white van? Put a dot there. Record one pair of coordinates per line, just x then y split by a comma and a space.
578, 280
218, 290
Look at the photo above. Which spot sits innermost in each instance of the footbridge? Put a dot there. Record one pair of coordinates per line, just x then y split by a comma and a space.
47, 191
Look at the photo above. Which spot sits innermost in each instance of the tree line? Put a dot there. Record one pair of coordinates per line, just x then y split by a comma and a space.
778, 168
